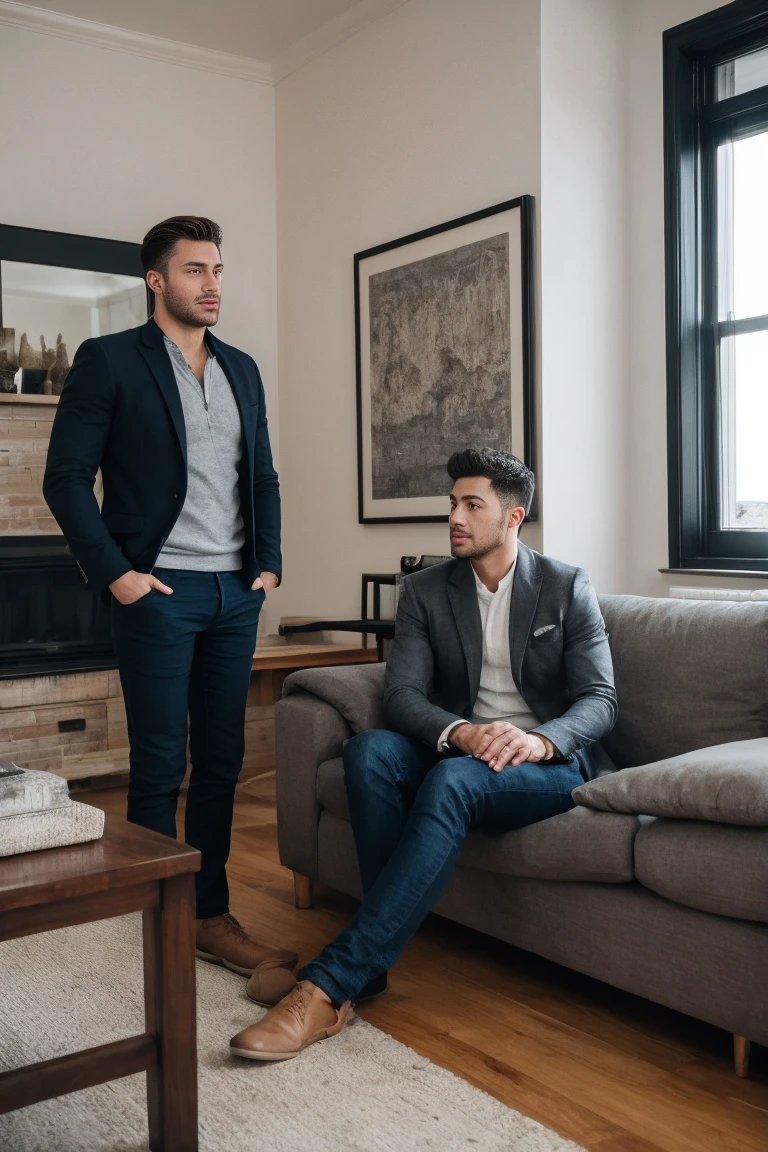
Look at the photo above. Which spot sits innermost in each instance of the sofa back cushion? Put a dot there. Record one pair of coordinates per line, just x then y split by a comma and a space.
689, 674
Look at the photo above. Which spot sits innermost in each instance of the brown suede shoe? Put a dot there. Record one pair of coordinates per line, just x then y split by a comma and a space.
301, 1019
222, 940
269, 984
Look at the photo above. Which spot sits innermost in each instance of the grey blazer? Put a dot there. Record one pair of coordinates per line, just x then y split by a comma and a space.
564, 674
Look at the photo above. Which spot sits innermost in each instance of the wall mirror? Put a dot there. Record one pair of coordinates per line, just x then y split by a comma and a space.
56, 290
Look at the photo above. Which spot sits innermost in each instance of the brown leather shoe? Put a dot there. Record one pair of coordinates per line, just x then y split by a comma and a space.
269, 984
222, 940
302, 1018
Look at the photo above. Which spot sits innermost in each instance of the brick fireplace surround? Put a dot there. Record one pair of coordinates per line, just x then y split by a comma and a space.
25, 429
72, 723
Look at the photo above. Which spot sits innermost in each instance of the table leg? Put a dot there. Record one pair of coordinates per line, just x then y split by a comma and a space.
169, 991
364, 608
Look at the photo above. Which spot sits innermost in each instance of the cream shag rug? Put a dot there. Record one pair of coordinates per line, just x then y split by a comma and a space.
78, 987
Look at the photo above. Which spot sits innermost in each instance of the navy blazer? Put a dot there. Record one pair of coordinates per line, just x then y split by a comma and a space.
120, 411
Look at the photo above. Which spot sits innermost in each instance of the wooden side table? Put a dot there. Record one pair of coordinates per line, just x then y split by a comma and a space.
271, 664
130, 869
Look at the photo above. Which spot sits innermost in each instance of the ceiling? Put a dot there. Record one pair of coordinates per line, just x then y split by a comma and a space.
260, 29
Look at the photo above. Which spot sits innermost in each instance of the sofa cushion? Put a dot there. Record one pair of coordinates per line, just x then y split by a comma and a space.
689, 674
727, 784
355, 691
564, 847
713, 867
576, 845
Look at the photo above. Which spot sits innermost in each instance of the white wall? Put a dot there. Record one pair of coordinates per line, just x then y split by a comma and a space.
585, 288
647, 21
429, 113
107, 144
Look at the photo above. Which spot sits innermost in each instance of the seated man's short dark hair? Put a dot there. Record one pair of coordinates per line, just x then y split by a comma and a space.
510, 479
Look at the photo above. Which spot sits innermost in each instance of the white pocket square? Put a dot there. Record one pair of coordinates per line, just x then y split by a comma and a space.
546, 628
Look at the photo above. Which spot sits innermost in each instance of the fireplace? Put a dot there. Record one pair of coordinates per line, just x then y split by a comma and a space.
49, 621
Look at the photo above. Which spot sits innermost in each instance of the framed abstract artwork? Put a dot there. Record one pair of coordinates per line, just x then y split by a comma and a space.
445, 342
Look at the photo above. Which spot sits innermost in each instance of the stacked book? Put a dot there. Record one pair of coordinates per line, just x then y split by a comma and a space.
36, 812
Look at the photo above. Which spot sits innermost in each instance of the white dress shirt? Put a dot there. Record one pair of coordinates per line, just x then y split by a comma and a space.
497, 696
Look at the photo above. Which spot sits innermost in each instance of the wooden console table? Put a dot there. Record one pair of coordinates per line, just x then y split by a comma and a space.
130, 869
272, 664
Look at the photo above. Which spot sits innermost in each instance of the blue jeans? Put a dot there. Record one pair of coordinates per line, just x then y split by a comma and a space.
411, 809
187, 658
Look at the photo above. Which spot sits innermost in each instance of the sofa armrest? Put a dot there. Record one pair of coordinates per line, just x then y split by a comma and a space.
307, 733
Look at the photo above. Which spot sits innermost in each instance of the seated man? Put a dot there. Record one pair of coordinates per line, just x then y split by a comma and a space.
513, 646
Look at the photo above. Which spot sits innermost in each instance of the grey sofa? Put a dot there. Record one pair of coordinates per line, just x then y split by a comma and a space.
654, 906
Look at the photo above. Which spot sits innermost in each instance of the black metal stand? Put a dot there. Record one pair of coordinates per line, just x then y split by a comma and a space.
381, 629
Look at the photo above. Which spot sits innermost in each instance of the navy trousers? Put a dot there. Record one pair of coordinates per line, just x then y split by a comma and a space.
185, 666
411, 809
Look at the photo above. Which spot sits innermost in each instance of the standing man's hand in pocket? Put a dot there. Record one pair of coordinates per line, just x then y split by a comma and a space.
133, 585
267, 581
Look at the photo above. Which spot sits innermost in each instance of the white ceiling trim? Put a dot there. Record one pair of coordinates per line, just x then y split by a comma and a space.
328, 35
133, 43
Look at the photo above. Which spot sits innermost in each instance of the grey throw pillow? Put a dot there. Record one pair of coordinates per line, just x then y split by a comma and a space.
727, 784
354, 691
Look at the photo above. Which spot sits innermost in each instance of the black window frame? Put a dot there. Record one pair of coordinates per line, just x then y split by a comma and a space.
694, 124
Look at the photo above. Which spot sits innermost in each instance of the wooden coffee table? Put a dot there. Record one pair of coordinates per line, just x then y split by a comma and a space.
129, 870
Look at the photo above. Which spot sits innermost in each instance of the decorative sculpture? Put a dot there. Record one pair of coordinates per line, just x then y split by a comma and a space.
60, 368
9, 364
48, 354
43, 371
29, 357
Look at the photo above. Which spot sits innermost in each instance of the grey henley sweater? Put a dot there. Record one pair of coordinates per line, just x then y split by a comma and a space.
209, 533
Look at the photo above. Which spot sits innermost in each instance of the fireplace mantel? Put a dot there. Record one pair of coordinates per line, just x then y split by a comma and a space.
26, 398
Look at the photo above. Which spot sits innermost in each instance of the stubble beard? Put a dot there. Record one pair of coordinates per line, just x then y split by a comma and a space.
186, 313
480, 550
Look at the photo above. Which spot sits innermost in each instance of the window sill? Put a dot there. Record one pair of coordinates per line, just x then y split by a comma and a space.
730, 572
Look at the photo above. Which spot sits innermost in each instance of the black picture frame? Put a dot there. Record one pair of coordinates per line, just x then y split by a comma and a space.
693, 124
528, 340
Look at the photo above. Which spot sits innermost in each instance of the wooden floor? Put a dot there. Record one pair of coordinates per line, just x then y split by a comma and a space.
610, 1071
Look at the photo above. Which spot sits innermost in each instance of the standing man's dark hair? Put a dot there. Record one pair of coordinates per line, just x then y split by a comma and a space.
160, 241
188, 543
512, 481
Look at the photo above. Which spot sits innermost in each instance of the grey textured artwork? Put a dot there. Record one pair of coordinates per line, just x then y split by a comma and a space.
440, 365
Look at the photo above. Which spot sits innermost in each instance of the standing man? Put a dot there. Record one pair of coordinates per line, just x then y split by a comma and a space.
513, 645
187, 542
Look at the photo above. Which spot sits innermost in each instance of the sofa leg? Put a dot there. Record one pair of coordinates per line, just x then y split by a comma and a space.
302, 888
741, 1048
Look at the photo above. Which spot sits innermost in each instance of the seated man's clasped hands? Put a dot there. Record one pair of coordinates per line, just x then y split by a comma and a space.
500, 743
498, 681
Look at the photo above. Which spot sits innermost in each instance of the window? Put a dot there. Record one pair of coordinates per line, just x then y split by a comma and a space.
716, 219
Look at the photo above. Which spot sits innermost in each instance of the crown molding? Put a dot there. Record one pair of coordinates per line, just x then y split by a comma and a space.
328, 35
47, 23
